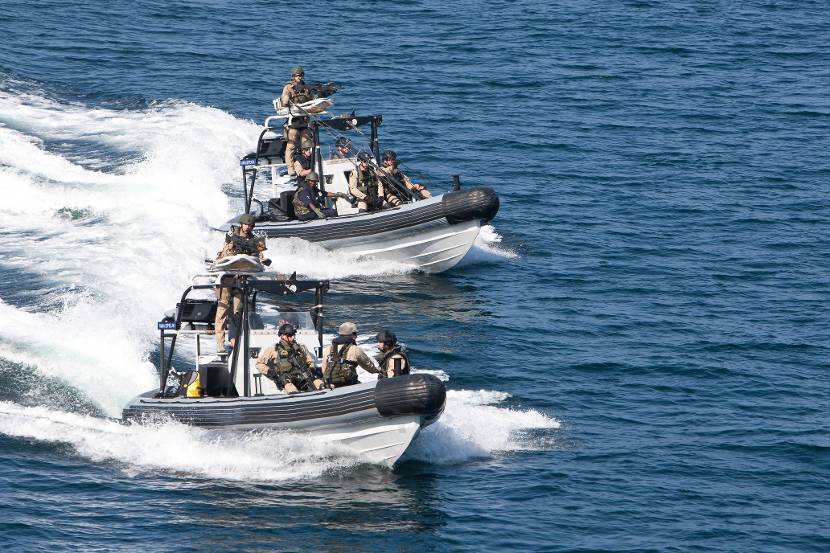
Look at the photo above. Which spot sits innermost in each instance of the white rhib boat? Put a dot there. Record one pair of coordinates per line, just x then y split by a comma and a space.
432, 234
377, 419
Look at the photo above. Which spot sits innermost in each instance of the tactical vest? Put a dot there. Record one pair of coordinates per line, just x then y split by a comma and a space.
299, 93
367, 184
300, 208
284, 354
399, 365
339, 371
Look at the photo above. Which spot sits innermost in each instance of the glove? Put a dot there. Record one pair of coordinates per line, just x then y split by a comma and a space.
266, 262
319, 214
342, 195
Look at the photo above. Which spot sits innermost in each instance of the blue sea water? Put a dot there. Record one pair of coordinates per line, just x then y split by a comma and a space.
636, 349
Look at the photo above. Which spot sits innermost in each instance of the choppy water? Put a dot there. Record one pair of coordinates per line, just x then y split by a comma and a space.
636, 349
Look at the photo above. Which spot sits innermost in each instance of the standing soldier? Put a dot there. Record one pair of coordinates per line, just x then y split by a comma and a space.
395, 179
392, 360
289, 364
295, 91
342, 357
304, 163
241, 241
365, 185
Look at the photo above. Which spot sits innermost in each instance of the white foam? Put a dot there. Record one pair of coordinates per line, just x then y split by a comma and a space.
175, 448
147, 232
487, 249
473, 427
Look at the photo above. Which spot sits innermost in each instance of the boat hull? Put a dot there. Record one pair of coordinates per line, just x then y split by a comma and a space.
377, 420
432, 235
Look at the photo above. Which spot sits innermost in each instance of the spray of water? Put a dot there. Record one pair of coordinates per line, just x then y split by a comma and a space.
110, 226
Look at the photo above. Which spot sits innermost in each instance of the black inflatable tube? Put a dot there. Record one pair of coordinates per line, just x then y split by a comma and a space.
469, 204
414, 394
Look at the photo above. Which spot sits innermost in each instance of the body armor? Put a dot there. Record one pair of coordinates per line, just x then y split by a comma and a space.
340, 371
299, 93
394, 360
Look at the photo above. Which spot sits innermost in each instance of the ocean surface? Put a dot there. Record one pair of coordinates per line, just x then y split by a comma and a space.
636, 349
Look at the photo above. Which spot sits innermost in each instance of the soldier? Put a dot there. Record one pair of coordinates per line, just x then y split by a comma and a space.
289, 364
295, 91
310, 203
241, 241
343, 147
304, 163
342, 357
396, 179
392, 360
365, 185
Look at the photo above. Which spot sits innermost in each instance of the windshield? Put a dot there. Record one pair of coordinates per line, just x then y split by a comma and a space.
300, 319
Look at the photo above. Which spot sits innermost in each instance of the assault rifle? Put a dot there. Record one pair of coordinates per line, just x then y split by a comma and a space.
300, 376
246, 246
242, 244
400, 188
321, 90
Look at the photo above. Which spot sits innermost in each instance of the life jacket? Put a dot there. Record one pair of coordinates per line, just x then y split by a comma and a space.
394, 359
340, 371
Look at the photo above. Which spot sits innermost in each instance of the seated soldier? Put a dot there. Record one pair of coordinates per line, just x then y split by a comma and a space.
394, 181
365, 185
392, 360
310, 203
289, 364
343, 356
342, 148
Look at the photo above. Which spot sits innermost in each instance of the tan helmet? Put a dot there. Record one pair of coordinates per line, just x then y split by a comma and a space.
347, 329
307, 144
312, 176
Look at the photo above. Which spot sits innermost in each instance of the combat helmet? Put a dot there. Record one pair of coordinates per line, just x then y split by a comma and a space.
386, 336
364, 156
297, 70
247, 219
287, 329
306, 143
390, 154
342, 141
312, 176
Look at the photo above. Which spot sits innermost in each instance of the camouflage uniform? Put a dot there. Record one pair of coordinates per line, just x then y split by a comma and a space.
294, 93
277, 358
367, 188
391, 192
226, 296
355, 356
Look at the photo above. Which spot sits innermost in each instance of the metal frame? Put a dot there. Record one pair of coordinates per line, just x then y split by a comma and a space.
250, 285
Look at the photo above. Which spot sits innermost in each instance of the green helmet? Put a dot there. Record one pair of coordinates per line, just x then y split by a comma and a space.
297, 70
247, 219
312, 176
307, 144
